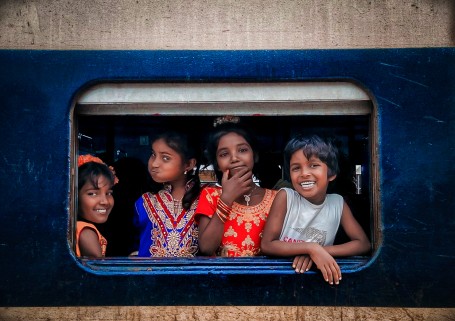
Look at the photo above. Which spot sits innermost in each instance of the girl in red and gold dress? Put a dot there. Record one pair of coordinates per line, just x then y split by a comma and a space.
231, 217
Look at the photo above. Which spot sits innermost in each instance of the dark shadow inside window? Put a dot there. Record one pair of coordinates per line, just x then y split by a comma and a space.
120, 132
124, 141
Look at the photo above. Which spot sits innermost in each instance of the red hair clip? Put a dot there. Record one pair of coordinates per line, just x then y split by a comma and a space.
82, 159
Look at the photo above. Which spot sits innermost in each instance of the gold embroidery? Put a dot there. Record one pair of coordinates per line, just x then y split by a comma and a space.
242, 235
169, 240
248, 241
212, 195
256, 213
230, 232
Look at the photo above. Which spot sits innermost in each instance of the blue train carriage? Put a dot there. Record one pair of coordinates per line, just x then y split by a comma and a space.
392, 109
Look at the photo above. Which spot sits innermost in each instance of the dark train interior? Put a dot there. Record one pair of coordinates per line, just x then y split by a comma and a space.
117, 138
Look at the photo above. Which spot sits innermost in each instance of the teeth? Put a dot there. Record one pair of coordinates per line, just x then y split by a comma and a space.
101, 211
307, 184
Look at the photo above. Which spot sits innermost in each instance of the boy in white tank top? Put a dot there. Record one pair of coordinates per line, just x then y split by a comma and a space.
303, 221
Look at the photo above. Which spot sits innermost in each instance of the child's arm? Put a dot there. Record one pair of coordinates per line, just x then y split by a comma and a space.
271, 244
89, 244
211, 229
359, 243
210, 236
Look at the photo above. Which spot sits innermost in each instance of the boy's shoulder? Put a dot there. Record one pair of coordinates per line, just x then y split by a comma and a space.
334, 196
287, 190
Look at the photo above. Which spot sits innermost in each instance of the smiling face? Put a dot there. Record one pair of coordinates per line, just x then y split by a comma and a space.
309, 177
95, 203
165, 164
234, 153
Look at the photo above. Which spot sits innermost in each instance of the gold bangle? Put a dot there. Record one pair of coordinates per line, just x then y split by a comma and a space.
222, 205
221, 216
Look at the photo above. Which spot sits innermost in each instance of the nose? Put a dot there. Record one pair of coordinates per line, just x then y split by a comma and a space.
305, 171
234, 158
153, 162
103, 199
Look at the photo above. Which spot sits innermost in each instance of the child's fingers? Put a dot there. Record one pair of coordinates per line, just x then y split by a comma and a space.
310, 264
246, 174
225, 179
325, 274
242, 180
334, 273
299, 264
302, 263
337, 274
295, 262
225, 176
329, 274
243, 174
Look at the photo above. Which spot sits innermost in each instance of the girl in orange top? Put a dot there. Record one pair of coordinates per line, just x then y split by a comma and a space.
95, 200
231, 217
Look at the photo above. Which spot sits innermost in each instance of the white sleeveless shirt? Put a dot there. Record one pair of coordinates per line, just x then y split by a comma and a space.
307, 222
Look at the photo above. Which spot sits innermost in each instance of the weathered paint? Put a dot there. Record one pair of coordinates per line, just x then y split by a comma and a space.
413, 91
250, 24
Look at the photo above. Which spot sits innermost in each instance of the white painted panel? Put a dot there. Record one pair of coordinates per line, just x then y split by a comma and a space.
222, 92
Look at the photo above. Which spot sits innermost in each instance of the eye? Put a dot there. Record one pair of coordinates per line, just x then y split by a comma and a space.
222, 154
91, 193
295, 168
110, 193
166, 158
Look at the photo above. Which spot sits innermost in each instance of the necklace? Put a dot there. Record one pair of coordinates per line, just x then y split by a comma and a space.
247, 197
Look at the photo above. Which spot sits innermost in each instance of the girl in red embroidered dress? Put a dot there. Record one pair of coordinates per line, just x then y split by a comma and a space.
231, 217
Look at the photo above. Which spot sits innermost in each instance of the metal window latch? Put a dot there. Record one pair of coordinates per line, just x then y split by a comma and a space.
358, 179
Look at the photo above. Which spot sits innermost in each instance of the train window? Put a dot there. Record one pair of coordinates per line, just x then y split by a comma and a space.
115, 120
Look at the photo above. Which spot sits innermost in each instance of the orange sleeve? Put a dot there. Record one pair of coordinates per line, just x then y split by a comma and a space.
80, 225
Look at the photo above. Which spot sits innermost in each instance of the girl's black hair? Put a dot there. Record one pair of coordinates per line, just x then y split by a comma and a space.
214, 139
187, 148
313, 145
91, 171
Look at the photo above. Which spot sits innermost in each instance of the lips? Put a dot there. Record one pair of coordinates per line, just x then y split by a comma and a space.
101, 211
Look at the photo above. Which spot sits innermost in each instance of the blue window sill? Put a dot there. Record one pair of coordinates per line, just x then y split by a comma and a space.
205, 265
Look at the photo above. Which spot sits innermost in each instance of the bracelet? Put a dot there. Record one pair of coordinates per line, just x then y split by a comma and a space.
222, 217
223, 211
223, 206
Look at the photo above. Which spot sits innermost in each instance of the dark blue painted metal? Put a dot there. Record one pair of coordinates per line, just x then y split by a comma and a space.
414, 92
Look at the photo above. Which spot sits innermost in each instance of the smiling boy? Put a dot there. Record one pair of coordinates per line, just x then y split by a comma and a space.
304, 220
